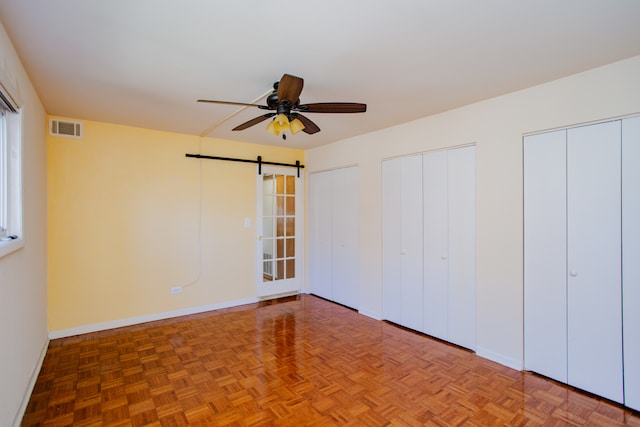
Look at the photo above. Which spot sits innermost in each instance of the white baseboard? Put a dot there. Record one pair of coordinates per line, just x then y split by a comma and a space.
499, 358
32, 383
95, 327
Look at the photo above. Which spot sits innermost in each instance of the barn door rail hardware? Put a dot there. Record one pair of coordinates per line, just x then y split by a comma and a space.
258, 161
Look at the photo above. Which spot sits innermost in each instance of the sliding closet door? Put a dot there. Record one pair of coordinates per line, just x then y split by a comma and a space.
411, 249
402, 241
320, 235
631, 259
345, 237
436, 244
333, 236
594, 259
391, 240
429, 244
545, 259
461, 178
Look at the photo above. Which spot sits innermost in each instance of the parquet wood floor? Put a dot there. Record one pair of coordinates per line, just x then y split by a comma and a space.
299, 361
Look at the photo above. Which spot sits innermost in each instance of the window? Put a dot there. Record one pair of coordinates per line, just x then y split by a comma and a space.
3, 175
10, 174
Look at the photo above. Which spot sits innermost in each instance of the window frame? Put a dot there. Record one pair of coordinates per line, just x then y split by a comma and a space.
3, 174
11, 208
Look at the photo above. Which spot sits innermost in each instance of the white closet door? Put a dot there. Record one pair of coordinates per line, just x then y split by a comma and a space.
461, 177
320, 248
631, 259
594, 255
345, 237
436, 250
411, 246
545, 259
391, 240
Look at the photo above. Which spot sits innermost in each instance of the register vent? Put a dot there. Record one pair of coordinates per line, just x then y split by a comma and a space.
65, 128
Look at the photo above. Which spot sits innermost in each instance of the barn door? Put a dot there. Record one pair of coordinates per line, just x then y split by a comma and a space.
279, 231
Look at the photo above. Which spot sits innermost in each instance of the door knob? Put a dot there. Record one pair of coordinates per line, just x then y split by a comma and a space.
573, 273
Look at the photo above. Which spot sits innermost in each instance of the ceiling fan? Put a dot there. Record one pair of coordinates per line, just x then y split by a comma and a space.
284, 102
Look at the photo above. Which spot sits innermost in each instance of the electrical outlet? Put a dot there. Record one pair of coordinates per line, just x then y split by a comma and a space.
176, 290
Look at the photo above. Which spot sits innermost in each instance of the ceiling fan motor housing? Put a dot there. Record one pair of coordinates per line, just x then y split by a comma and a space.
272, 100
284, 107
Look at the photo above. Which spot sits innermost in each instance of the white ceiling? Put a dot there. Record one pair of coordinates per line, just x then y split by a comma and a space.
145, 62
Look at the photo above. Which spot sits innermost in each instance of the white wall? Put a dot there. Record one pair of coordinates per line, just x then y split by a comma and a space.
496, 126
23, 273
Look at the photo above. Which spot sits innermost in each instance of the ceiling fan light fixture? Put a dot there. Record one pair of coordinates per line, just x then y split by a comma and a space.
296, 126
281, 124
271, 127
281, 120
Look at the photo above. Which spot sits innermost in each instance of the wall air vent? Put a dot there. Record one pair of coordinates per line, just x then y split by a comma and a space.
65, 128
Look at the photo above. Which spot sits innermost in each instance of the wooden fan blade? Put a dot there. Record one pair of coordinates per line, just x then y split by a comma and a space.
333, 107
255, 121
309, 126
244, 104
289, 88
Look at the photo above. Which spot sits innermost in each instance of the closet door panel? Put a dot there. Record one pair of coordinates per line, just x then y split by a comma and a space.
594, 255
320, 249
545, 249
345, 236
462, 208
391, 240
411, 250
631, 259
436, 252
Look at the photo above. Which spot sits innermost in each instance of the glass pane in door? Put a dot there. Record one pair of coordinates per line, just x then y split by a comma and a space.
279, 226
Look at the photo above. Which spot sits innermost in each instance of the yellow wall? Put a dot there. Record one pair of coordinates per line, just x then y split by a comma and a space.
124, 223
